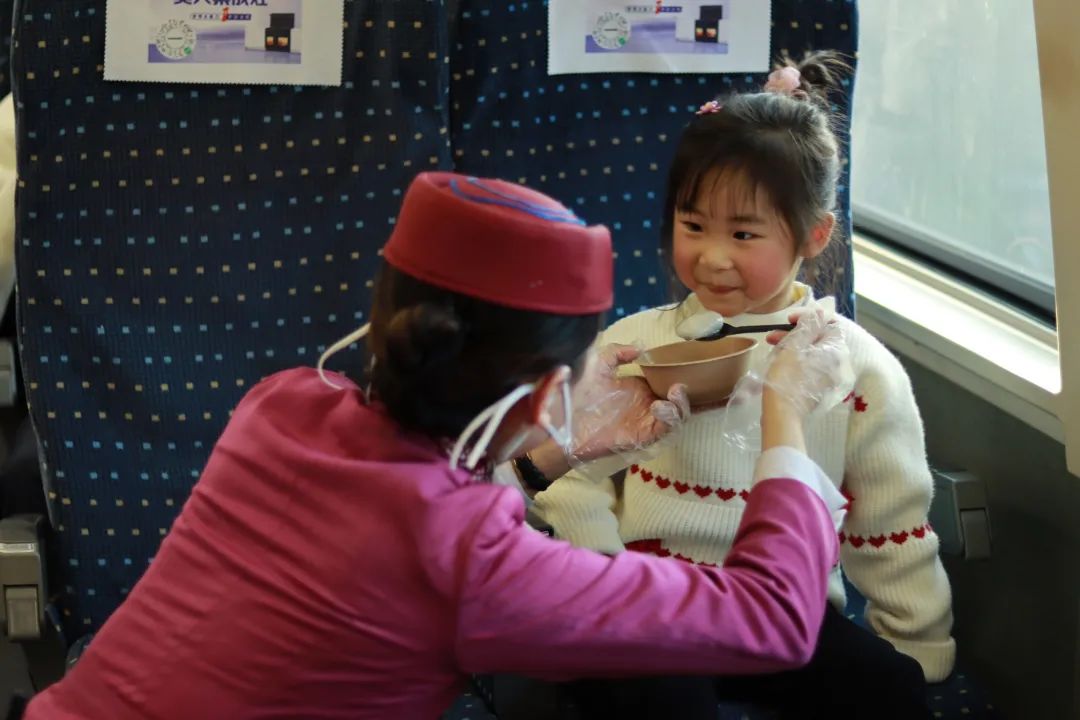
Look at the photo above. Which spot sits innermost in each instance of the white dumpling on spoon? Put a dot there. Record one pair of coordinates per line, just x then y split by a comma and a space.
700, 325
707, 326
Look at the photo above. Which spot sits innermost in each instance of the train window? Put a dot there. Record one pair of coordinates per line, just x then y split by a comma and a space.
949, 159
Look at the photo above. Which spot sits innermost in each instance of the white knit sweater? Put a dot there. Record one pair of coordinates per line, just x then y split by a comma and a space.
687, 503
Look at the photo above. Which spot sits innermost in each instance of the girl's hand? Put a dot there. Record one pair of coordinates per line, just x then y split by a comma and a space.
614, 415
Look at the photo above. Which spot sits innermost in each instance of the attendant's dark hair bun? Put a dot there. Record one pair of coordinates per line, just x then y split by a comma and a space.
423, 338
442, 357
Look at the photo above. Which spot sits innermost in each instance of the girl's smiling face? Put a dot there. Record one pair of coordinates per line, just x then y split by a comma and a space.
735, 251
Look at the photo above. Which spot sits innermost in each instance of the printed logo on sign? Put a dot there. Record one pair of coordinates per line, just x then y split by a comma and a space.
658, 9
175, 40
237, 3
612, 30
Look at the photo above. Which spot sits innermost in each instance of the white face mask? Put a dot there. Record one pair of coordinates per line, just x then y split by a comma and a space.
489, 419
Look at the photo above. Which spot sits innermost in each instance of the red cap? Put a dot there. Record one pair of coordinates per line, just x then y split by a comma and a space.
503, 243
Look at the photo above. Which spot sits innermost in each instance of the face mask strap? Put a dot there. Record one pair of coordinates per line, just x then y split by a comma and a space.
492, 417
371, 374
355, 336
565, 435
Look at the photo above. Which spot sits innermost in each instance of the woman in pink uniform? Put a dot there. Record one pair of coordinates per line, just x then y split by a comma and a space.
343, 556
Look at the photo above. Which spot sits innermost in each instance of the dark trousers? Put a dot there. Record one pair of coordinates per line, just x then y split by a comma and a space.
853, 675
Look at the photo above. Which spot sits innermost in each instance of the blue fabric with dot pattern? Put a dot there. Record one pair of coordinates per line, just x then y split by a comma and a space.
7, 10
176, 243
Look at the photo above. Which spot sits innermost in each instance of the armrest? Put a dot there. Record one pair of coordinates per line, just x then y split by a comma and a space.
23, 595
9, 382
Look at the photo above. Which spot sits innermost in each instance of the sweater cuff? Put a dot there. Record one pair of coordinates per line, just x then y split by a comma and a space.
789, 463
586, 531
936, 658
582, 524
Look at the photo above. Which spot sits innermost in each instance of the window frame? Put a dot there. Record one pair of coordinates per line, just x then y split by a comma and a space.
1000, 325
1056, 24
923, 242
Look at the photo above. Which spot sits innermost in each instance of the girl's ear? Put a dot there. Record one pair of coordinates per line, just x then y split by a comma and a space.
820, 235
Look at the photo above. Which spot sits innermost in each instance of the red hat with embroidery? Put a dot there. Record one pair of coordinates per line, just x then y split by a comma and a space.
503, 243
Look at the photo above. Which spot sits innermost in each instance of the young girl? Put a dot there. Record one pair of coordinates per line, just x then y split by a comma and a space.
340, 558
749, 200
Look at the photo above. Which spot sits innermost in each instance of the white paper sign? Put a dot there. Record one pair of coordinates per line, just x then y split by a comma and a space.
291, 42
659, 36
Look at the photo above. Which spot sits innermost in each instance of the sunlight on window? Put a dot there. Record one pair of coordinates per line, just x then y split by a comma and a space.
948, 149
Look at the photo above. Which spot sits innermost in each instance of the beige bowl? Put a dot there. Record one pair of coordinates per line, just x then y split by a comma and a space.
709, 370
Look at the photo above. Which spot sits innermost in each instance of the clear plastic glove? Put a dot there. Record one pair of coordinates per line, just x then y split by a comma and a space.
619, 415
809, 369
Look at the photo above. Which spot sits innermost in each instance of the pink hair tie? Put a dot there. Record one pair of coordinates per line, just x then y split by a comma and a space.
785, 81
713, 106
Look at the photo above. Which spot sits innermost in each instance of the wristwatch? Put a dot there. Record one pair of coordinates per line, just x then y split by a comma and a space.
530, 474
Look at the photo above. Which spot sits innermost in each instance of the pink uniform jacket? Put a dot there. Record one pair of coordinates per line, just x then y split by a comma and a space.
330, 565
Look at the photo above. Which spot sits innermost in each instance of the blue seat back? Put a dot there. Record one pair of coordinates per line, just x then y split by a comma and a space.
177, 243
7, 10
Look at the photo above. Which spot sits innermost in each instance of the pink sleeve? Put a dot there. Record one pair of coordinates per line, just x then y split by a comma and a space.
536, 606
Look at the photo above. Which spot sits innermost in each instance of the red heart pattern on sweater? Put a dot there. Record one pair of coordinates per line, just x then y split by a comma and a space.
847, 496
652, 547
878, 541
861, 405
656, 547
702, 491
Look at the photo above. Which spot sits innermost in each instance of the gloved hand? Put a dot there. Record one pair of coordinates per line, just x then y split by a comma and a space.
809, 370
616, 415
811, 364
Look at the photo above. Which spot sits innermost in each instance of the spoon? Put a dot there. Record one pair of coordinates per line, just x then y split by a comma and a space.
707, 326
